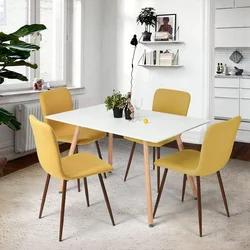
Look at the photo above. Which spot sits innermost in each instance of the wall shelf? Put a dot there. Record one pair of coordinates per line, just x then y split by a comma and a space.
161, 42
161, 66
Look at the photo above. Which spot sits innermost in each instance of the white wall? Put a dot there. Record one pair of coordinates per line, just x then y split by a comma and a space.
120, 27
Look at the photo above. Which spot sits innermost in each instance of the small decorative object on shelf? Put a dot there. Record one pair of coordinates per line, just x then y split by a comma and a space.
117, 102
38, 84
129, 109
147, 16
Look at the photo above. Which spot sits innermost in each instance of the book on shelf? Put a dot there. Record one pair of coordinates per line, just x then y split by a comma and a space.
160, 57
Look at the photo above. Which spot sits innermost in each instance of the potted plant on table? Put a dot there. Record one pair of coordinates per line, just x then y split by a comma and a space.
117, 102
14, 52
148, 18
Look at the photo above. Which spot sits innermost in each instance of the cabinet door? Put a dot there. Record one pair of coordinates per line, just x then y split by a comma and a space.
226, 92
220, 4
232, 18
245, 83
242, 3
245, 108
227, 83
232, 37
226, 107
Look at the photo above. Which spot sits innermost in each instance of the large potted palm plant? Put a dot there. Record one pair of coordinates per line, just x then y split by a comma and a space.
15, 52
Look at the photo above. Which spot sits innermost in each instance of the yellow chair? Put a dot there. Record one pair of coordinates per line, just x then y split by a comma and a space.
57, 101
67, 168
215, 153
166, 101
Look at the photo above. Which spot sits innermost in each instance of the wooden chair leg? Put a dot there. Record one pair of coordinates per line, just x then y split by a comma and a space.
78, 180
100, 155
199, 203
62, 209
98, 149
223, 193
184, 187
44, 195
130, 160
79, 185
153, 158
160, 191
86, 190
158, 169
106, 199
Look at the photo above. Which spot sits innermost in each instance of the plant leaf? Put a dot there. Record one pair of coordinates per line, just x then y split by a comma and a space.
13, 75
1, 80
20, 63
28, 29
22, 46
5, 37
9, 120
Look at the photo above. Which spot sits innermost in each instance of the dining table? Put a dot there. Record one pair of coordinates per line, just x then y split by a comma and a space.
159, 127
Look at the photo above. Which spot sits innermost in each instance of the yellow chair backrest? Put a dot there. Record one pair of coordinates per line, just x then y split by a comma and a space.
171, 101
47, 148
53, 102
217, 146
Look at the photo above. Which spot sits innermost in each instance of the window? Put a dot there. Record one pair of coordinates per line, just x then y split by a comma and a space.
51, 57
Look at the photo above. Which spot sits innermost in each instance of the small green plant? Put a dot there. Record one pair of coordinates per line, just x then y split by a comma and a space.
147, 16
116, 100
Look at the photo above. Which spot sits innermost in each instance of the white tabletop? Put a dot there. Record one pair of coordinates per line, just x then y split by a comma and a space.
161, 126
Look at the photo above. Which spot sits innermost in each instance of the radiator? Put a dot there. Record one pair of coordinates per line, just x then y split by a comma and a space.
24, 140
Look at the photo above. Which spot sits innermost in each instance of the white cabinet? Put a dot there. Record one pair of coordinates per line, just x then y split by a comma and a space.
245, 99
227, 83
224, 4
232, 18
242, 3
226, 107
232, 37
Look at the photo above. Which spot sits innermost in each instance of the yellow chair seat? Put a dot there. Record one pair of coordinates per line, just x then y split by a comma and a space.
186, 162
86, 136
83, 165
151, 144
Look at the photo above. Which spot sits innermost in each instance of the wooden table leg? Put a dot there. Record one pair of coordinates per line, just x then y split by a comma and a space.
110, 152
148, 184
190, 178
72, 147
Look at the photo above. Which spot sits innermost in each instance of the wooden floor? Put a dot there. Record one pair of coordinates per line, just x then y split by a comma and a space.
241, 151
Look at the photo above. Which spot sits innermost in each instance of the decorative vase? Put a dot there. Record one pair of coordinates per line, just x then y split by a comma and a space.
146, 36
117, 112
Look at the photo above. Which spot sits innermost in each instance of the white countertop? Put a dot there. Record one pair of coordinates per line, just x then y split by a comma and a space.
232, 76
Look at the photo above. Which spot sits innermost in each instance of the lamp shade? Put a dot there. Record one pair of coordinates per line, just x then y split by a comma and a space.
134, 41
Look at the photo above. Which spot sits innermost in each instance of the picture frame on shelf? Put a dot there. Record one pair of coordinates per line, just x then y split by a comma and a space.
165, 28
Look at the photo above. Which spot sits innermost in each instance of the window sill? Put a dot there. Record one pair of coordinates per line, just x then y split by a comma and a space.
31, 91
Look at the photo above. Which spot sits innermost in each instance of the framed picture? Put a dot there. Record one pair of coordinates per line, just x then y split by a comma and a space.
165, 28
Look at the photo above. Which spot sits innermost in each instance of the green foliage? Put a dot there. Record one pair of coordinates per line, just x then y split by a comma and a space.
14, 52
147, 16
9, 120
116, 100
